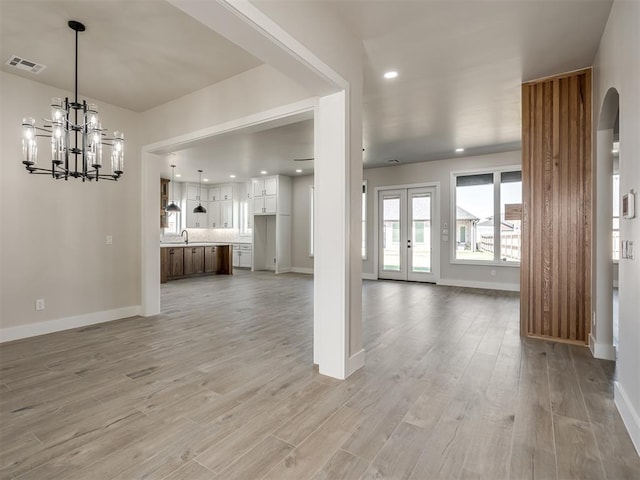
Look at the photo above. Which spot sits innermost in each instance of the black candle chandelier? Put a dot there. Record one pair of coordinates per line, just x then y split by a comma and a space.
88, 138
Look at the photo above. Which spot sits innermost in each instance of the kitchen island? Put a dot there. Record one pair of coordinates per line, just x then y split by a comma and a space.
180, 260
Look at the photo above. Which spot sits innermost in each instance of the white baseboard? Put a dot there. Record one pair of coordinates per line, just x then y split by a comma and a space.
308, 271
453, 282
57, 325
601, 350
369, 276
630, 416
355, 362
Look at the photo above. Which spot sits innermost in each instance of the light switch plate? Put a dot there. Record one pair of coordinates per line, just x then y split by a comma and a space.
109, 240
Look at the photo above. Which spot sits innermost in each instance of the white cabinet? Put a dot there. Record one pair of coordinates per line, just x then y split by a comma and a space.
213, 209
220, 192
195, 220
263, 186
265, 205
214, 194
242, 255
226, 214
220, 206
193, 192
265, 195
271, 223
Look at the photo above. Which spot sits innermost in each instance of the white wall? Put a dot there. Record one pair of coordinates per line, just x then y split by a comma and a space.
256, 90
425, 172
53, 233
617, 65
300, 223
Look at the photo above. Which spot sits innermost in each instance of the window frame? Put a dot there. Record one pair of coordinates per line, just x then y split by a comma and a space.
615, 244
496, 172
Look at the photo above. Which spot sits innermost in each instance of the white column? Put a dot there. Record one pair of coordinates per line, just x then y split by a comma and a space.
601, 341
150, 238
335, 315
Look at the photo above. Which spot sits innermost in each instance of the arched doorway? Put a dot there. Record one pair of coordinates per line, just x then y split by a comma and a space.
601, 339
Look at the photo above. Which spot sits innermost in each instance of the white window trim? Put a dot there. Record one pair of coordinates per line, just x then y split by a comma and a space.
365, 186
496, 171
312, 203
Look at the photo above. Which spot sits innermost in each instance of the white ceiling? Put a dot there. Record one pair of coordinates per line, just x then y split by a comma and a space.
460, 67
270, 147
136, 54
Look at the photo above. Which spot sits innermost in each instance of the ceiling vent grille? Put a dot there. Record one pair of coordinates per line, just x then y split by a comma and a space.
24, 64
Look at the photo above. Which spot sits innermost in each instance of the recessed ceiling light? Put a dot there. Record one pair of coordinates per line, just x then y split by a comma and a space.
459, 150
263, 172
390, 74
298, 171
205, 179
232, 176
178, 175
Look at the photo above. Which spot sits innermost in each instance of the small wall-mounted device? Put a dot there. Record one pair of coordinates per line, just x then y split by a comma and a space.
628, 205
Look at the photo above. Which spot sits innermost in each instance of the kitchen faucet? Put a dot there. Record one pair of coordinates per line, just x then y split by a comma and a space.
187, 236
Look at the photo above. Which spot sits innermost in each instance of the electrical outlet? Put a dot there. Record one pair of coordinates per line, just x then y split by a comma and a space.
39, 304
493, 273
109, 240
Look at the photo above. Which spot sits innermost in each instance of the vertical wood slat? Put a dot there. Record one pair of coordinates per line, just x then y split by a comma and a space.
556, 186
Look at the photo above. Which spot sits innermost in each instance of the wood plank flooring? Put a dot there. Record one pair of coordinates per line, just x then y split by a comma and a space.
221, 386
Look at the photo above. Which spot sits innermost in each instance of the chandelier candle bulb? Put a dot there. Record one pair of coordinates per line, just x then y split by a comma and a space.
29, 144
117, 153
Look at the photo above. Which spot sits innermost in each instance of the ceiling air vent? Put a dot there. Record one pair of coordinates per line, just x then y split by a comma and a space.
24, 64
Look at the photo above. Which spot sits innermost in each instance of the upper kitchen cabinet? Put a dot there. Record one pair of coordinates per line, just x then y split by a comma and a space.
193, 192
222, 211
221, 192
196, 220
271, 195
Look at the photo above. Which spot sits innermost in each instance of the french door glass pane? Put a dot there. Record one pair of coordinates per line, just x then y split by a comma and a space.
421, 233
391, 233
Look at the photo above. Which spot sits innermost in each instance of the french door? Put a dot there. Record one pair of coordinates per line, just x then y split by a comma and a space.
406, 234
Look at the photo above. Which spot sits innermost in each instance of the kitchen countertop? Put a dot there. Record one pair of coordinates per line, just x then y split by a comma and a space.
199, 244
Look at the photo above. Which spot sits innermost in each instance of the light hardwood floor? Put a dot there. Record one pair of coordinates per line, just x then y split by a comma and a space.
220, 386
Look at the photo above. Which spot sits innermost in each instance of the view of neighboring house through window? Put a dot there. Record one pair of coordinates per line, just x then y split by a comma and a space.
480, 198
616, 216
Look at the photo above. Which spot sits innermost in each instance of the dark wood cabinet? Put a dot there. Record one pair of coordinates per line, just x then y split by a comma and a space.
210, 259
193, 260
176, 263
181, 262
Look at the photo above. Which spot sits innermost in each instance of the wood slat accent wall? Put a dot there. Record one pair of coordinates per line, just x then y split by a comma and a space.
555, 275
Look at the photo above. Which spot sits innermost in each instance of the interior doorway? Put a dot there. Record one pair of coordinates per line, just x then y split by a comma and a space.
407, 234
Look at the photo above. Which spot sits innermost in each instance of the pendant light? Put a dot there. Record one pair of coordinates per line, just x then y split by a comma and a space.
172, 207
200, 208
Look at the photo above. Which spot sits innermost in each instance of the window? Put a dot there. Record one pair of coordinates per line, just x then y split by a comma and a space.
311, 222
173, 223
616, 217
364, 220
480, 199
